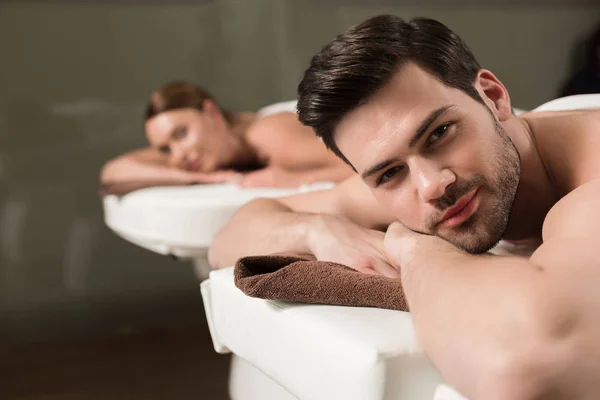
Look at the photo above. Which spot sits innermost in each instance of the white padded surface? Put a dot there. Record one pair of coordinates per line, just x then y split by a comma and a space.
284, 106
575, 102
319, 351
246, 382
182, 220
327, 352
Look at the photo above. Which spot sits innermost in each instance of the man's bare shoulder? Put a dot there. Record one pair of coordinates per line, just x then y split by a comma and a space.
576, 214
569, 143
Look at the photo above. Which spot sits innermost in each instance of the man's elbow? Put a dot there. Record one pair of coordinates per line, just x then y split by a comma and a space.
221, 252
538, 365
534, 379
217, 252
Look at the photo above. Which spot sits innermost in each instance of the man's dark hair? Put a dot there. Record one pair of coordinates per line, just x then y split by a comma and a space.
346, 72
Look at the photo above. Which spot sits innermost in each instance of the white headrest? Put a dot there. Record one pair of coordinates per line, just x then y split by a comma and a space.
576, 102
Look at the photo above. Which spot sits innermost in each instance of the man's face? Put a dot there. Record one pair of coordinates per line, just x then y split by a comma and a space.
435, 157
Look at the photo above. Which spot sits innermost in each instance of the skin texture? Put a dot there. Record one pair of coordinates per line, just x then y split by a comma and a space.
496, 327
192, 146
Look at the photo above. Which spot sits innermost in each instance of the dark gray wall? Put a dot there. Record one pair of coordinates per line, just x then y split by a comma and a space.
73, 81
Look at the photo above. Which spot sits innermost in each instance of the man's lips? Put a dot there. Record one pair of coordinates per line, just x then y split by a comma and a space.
461, 211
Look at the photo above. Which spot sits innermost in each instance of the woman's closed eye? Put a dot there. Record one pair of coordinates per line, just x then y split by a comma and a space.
388, 175
438, 134
179, 133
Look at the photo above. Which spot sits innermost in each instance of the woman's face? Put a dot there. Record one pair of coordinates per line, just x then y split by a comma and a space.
193, 140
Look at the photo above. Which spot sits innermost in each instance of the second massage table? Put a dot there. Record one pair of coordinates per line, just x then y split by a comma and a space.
285, 351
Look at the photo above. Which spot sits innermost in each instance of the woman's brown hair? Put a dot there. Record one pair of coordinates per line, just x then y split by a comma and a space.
177, 95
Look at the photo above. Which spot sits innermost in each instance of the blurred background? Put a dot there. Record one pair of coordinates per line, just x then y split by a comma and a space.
85, 314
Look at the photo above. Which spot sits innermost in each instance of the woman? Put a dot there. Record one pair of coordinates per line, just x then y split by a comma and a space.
193, 140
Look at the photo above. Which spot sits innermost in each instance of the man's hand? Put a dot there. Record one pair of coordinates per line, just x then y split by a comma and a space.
339, 240
399, 244
402, 245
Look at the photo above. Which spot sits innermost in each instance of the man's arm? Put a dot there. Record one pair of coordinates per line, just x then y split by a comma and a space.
507, 327
266, 226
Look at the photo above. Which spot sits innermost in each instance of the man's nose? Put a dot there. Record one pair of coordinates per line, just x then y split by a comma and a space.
431, 181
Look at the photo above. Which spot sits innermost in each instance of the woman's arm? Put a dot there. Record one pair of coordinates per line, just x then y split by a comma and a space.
142, 165
148, 167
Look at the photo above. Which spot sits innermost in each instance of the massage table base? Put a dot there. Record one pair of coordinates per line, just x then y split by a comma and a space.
247, 382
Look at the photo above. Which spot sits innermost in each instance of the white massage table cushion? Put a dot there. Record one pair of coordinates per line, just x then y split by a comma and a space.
182, 220
575, 102
320, 351
284, 106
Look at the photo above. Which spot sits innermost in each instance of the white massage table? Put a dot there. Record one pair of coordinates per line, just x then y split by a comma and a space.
281, 350
319, 352
181, 221
315, 352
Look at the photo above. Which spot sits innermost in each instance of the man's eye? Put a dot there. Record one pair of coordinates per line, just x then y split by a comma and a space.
437, 134
179, 133
387, 175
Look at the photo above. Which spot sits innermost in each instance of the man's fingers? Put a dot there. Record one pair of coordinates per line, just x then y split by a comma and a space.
394, 236
376, 266
396, 229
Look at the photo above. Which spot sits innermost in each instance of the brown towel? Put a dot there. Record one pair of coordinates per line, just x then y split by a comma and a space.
301, 280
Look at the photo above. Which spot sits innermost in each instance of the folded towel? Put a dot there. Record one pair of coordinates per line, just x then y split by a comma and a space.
305, 280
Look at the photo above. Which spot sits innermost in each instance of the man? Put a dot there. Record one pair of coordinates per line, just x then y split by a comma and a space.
436, 147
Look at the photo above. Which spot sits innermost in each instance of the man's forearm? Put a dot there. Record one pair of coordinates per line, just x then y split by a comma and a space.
480, 318
261, 227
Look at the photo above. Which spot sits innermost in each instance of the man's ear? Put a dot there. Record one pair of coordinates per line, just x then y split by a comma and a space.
494, 94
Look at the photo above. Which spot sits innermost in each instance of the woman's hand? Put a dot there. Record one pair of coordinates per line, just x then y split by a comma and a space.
220, 176
271, 177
